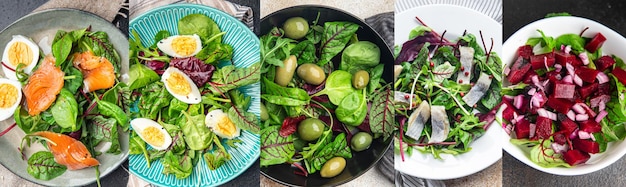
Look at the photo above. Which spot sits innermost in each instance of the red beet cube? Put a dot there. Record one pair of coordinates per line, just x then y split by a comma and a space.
560, 138
540, 61
528, 77
574, 157
595, 43
525, 51
587, 74
590, 126
587, 90
587, 146
518, 70
522, 129
603, 89
560, 105
564, 90
620, 74
508, 113
604, 62
544, 127
562, 58
567, 125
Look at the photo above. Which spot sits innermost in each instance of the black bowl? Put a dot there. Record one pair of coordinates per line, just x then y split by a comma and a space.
360, 161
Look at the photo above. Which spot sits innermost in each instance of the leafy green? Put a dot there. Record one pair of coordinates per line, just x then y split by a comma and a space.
338, 86
616, 107
65, 111
275, 149
543, 155
336, 36
231, 77
376, 74
361, 55
218, 157
418, 31
140, 76
338, 147
104, 129
179, 165
295, 96
274, 49
73, 84
215, 52
98, 43
576, 42
154, 97
201, 25
556, 14
304, 52
381, 117
162, 34
27, 123
353, 109
244, 119
61, 48
113, 110
42, 166
196, 134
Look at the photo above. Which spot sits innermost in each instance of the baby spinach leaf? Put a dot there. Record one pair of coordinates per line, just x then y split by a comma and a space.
104, 129
179, 165
244, 119
175, 107
338, 86
376, 74
73, 84
271, 88
196, 134
231, 77
61, 48
215, 52
42, 166
381, 115
336, 36
362, 55
65, 111
112, 110
275, 149
27, 123
574, 40
201, 25
353, 109
140, 76
160, 36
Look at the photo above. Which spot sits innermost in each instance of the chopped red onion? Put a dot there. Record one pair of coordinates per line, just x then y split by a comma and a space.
568, 79
532, 91
582, 117
508, 129
584, 135
558, 67
578, 80
507, 70
545, 62
574, 134
509, 97
601, 115
567, 49
570, 68
533, 127
571, 115
558, 148
602, 78
578, 109
518, 101
583, 57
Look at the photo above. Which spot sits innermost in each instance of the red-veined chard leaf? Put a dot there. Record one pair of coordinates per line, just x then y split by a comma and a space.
244, 119
290, 125
336, 36
42, 166
104, 129
231, 77
275, 149
381, 114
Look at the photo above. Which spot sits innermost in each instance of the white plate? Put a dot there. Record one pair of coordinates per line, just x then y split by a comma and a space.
554, 27
487, 149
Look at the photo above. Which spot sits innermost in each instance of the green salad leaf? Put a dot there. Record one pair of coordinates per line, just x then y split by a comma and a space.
42, 166
201, 25
275, 149
336, 36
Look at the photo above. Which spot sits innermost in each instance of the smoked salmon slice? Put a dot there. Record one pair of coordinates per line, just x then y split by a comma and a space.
68, 151
43, 86
98, 72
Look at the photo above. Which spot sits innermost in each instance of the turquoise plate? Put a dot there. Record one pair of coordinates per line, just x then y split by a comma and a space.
246, 52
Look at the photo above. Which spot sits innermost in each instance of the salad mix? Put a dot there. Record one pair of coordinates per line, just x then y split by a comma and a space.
447, 92
187, 105
565, 100
323, 96
74, 102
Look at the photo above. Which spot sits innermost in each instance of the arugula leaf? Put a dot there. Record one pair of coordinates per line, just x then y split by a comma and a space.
42, 166
239, 99
336, 36
275, 149
274, 49
27, 123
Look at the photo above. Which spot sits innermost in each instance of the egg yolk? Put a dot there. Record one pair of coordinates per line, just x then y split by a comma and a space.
20, 53
153, 136
184, 45
226, 126
178, 84
8, 95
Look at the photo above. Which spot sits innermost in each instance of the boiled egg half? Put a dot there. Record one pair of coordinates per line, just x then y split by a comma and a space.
10, 97
181, 86
181, 46
152, 133
20, 50
219, 122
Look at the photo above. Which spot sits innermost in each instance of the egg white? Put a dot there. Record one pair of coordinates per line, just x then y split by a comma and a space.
8, 112
193, 97
213, 118
165, 45
5, 56
139, 124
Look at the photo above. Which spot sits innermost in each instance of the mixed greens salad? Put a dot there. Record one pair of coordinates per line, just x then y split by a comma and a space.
187, 105
565, 100
74, 103
323, 96
447, 92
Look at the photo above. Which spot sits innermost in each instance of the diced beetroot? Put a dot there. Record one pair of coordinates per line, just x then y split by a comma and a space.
574, 157
587, 74
539, 62
595, 43
522, 129
562, 58
603, 89
590, 126
564, 90
604, 62
528, 77
588, 110
525, 51
560, 138
560, 105
577, 62
587, 90
518, 70
508, 113
587, 146
620, 74
567, 125
544, 127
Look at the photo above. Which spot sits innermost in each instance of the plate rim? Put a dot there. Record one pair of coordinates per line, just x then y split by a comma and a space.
513, 150
46, 11
494, 133
203, 7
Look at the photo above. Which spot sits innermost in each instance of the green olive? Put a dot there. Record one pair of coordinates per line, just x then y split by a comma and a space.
360, 79
361, 141
285, 74
333, 167
264, 115
296, 27
311, 73
310, 129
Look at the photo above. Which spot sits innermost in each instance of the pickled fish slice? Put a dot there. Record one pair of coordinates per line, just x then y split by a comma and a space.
417, 120
440, 124
467, 62
478, 90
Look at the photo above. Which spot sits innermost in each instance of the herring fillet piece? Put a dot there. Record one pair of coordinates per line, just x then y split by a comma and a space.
417, 120
440, 124
467, 62
478, 90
